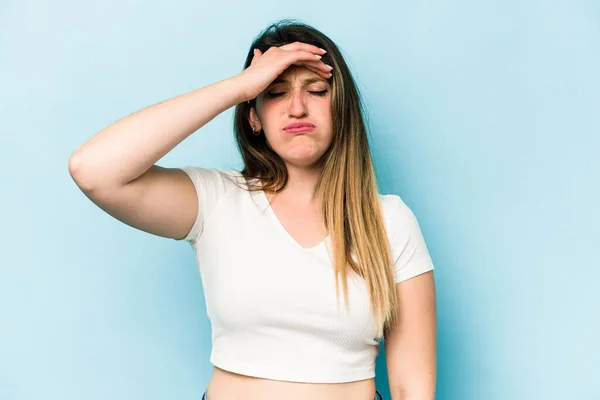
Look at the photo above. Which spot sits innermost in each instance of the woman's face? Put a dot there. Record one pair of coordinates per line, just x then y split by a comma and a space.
297, 95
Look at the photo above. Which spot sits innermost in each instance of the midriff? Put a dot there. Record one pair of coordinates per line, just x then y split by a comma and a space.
225, 385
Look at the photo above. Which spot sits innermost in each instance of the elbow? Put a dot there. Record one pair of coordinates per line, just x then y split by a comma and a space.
79, 173
421, 392
75, 167
413, 387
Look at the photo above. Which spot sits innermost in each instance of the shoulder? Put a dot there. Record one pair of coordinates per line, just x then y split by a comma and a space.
409, 250
214, 178
214, 188
400, 222
395, 210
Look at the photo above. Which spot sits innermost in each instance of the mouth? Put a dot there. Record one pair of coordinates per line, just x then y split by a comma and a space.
299, 127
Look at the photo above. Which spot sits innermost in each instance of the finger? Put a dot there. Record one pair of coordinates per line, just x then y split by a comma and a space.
318, 67
325, 75
316, 64
301, 46
295, 57
256, 55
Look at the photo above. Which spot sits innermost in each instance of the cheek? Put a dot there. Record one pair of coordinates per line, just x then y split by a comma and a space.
270, 115
328, 121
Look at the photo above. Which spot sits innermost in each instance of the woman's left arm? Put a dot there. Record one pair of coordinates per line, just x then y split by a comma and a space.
410, 347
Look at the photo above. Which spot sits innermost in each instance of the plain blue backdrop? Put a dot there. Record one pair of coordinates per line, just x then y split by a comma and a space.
484, 117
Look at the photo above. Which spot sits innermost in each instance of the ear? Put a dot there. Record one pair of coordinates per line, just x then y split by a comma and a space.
254, 120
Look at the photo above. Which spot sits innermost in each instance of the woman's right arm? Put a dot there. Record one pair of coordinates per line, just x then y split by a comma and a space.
116, 168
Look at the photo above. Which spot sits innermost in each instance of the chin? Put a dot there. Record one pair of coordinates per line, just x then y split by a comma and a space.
303, 160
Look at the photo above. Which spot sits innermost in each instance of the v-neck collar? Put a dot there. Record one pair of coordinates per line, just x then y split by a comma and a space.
265, 207
273, 216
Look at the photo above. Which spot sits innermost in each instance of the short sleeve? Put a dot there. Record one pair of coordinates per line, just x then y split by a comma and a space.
410, 255
211, 187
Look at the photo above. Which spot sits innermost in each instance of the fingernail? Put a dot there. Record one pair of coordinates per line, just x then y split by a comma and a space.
318, 56
323, 50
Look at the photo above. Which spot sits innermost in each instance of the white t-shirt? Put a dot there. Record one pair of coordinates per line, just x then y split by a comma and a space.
271, 302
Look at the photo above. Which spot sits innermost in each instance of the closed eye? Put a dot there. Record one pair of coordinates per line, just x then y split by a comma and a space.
320, 93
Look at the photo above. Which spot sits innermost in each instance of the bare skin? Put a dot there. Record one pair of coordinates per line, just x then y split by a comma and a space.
117, 170
226, 385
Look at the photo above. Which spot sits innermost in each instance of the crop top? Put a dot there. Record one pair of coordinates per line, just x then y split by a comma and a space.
271, 302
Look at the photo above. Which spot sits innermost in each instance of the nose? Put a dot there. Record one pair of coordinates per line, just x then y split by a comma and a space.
297, 106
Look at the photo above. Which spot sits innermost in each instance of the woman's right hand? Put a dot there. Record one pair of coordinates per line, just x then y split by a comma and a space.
267, 66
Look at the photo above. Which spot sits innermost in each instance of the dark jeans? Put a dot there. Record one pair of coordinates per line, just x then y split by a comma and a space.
378, 396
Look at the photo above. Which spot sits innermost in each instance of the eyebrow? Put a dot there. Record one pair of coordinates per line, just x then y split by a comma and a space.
306, 82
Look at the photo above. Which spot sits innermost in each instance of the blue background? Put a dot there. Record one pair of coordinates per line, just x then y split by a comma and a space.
484, 117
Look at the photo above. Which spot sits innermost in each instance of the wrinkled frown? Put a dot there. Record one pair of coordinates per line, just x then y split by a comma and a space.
298, 96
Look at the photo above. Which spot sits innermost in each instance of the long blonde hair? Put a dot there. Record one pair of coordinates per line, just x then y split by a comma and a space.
347, 189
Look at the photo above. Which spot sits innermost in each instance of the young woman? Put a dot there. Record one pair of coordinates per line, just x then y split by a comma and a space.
279, 240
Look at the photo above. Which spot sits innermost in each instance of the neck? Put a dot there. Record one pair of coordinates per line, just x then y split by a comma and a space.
301, 185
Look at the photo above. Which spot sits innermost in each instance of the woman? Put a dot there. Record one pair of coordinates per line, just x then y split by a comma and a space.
275, 240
